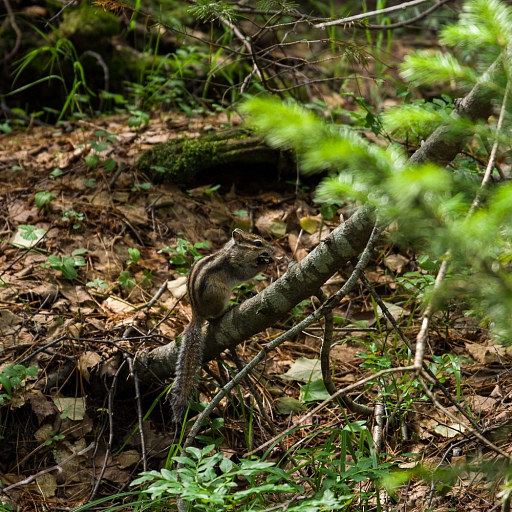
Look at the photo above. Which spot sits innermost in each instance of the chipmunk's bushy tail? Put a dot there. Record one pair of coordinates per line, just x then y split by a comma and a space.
187, 368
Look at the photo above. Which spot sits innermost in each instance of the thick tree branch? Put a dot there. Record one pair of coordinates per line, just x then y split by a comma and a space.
298, 283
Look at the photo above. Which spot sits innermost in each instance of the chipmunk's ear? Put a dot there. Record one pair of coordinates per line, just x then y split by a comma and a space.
237, 234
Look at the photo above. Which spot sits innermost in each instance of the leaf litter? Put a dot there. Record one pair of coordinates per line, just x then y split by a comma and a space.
73, 329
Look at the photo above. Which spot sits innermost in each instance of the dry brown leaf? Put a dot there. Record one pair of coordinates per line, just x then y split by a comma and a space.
127, 459
45, 484
41, 406
486, 354
73, 407
73, 469
136, 215
76, 294
270, 224
43, 432
395, 262
86, 361
114, 474
8, 321
102, 198
481, 404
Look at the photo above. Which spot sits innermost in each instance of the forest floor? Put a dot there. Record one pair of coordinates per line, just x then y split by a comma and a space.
69, 296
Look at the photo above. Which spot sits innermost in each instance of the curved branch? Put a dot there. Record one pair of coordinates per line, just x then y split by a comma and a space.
325, 364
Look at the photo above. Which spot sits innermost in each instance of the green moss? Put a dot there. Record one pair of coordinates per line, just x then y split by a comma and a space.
181, 160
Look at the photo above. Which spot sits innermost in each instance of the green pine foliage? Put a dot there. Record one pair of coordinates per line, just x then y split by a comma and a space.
429, 67
430, 205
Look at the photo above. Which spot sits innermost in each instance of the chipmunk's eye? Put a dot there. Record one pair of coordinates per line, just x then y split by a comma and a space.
258, 243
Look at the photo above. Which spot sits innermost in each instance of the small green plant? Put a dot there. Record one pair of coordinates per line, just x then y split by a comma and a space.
57, 171
12, 376
137, 119
449, 364
209, 480
180, 253
5, 127
90, 182
92, 160
134, 256
98, 283
126, 280
74, 218
243, 290
105, 139
148, 277
141, 186
67, 265
211, 190
53, 438
335, 471
418, 283
44, 198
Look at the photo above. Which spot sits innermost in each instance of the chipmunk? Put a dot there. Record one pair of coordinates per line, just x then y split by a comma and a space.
209, 286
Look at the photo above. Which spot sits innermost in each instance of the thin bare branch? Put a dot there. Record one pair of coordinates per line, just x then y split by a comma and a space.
370, 14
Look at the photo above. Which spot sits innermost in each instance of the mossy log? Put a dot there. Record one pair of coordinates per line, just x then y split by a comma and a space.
223, 153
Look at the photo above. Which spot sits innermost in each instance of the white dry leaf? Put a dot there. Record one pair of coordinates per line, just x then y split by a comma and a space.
304, 370
178, 287
19, 241
396, 312
73, 407
449, 431
115, 305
